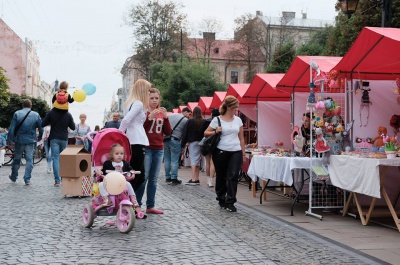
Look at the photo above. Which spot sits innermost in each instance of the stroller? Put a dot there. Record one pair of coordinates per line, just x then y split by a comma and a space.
122, 206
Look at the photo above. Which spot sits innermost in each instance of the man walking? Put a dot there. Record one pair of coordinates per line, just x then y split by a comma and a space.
60, 121
22, 134
114, 123
172, 145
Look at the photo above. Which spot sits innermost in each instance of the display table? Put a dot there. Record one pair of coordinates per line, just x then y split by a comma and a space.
279, 169
363, 176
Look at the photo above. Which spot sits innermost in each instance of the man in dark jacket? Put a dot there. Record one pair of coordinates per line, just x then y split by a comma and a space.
115, 123
59, 120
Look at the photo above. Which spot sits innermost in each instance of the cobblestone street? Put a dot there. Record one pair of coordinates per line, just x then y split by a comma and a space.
39, 226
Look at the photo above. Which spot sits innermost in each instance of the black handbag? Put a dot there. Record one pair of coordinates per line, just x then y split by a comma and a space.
210, 143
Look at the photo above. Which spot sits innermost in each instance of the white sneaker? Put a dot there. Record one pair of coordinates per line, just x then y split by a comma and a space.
210, 182
49, 171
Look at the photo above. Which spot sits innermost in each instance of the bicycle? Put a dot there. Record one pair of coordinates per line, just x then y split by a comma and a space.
38, 155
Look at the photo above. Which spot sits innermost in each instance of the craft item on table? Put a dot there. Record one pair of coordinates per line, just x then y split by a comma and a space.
334, 80
328, 127
299, 142
365, 100
344, 137
378, 141
363, 144
320, 108
321, 146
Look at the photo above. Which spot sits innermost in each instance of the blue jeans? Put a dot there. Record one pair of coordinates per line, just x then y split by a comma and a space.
19, 149
172, 152
56, 147
48, 153
152, 166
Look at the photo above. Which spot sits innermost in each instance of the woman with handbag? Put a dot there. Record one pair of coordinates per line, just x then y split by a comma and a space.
229, 154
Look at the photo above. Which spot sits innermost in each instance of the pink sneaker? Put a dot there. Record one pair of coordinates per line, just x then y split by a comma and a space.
154, 210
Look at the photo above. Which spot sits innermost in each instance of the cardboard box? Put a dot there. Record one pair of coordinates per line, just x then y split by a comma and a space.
73, 186
75, 161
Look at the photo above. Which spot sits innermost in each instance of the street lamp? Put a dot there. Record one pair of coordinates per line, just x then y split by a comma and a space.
348, 7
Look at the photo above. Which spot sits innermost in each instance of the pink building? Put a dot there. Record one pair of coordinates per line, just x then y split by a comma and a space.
20, 61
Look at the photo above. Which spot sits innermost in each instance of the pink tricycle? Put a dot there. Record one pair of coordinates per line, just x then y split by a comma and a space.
122, 206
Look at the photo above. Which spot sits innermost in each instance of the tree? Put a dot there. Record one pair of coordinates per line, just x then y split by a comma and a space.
247, 38
4, 94
282, 59
317, 45
157, 28
15, 104
181, 84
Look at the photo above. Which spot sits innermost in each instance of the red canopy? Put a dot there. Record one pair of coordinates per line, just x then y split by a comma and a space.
374, 55
180, 108
217, 99
263, 88
204, 104
238, 90
191, 105
298, 75
175, 110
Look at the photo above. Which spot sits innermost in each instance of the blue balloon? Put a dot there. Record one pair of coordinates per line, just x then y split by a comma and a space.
89, 89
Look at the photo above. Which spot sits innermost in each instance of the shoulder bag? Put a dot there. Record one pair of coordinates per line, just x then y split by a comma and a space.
166, 139
19, 125
209, 144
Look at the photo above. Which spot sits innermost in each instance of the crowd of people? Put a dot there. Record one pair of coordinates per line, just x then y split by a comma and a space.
154, 137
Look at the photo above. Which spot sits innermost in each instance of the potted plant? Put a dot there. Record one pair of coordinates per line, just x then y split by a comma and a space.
390, 148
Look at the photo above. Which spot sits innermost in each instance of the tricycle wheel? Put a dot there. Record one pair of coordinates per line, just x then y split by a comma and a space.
125, 219
88, 216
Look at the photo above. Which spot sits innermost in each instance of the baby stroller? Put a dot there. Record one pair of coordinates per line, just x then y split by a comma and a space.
122, 206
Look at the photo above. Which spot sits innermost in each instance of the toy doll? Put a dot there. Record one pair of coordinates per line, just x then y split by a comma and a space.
321, 146
378, 140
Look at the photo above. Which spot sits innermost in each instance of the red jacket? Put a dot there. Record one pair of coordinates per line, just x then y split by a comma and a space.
156, 129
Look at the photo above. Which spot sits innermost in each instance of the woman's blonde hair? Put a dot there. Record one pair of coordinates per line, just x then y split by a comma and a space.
155, 90
139, 91
229, 101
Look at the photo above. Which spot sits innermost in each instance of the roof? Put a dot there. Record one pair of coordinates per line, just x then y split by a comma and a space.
175, 110
204, 104
180, 108
218, 97
374, 55
263, 88
238, 90
298, 75
192, 105
296, 22
220, 50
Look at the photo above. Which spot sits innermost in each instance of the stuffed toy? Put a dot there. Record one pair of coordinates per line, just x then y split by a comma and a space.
363, 144
321, 146
378, 140
311, 97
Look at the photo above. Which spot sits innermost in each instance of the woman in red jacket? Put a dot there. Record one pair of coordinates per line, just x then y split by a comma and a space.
155, 125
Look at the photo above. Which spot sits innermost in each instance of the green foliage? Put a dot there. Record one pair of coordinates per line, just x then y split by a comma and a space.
282, 59
15, 104
317, 43
180, 84
157, 29
4, 94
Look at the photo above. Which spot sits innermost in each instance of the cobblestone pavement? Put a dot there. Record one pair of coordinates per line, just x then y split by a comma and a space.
39, 226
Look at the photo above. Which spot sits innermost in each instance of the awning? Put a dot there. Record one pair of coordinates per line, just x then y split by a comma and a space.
180, 108
263, 88
298, 75
192, 105
204, 104
374, 55
218, 97
238, 90
175, 110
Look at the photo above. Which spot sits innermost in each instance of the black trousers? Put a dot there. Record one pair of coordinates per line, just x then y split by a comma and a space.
137, 163
227, 167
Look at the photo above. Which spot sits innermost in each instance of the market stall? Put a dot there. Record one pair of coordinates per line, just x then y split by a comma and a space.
192, 105
204, 104
218, 97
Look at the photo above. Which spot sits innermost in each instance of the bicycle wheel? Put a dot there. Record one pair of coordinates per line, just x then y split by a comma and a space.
37, 155
8, 156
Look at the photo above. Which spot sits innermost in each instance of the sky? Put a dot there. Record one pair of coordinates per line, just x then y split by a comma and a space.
87, 41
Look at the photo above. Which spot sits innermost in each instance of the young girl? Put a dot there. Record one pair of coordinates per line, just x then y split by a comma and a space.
62, 97
117, 163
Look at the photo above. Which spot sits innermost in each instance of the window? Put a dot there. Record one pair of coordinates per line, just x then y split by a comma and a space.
234, 77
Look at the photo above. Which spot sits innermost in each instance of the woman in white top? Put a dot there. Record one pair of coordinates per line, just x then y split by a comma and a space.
136, 106
229, 155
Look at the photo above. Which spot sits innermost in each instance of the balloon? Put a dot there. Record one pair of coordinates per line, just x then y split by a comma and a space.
79, 95
114, 183
89, 88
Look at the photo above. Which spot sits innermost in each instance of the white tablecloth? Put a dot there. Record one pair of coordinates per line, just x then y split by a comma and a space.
276, 168
359, 175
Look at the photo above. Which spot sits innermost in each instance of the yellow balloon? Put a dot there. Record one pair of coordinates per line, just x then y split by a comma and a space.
114, 183
79, 95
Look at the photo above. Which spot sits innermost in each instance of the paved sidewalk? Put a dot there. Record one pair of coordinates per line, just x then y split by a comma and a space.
39, 226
